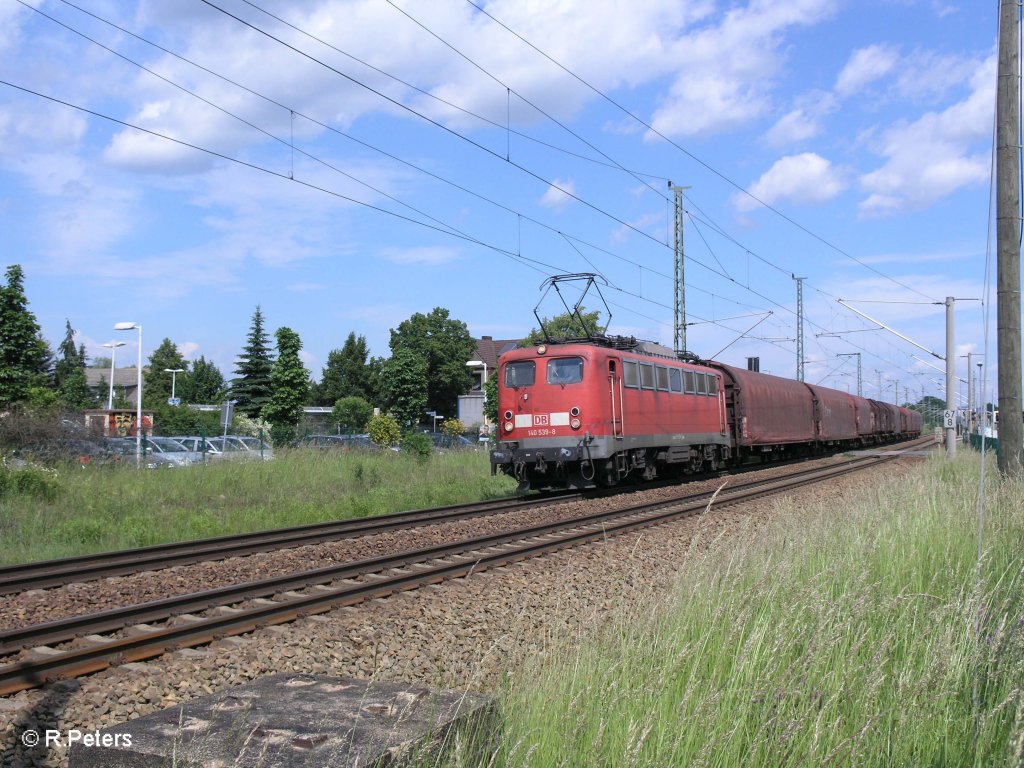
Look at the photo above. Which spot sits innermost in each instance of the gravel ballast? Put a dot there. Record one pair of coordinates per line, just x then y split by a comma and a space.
465, 634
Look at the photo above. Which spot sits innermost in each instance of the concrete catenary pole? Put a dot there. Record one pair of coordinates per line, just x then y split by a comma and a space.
1008, 233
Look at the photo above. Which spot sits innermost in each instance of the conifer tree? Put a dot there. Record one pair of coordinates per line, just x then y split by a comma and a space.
252, 388
23, 351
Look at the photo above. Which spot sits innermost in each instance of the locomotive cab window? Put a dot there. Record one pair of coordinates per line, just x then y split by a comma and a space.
713, 386
565, 370
630, 375
520, 374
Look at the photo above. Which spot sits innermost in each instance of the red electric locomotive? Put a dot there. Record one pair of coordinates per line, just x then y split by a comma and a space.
593, 412
576, 415
579, 413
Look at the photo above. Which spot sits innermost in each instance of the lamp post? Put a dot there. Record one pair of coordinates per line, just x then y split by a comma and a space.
112, 346
138, 390
174, 375
483, 383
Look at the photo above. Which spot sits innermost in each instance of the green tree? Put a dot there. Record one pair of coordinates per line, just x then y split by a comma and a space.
565, 326
204, 384
156, 388
405, 387
289, 382
345, 374
252, 389
444, 345
351, 413
23, 359
491, 399
375, 380
69, 372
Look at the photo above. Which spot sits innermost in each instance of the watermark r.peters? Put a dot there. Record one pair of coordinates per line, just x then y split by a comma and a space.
53, 738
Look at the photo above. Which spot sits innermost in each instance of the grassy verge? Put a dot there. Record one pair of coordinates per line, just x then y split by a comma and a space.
853, 636
58, 513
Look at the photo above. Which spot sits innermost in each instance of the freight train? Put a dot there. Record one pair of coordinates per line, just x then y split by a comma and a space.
606, 410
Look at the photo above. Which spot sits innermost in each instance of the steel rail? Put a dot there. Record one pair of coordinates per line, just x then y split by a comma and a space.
72, 627
55, 573
26, 674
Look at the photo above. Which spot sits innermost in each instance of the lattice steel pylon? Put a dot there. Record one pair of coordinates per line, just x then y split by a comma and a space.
680, 284
799, 327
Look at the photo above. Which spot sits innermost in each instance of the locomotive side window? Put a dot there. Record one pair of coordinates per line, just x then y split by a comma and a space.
630, 375
691, 387
646, 376
675, 380
565, 370
662, 376
713, 386
520, 374
702, 384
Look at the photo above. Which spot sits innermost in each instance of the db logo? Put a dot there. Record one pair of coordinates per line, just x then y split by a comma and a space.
540, 420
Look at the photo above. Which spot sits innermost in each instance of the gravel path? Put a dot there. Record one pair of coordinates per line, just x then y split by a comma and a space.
462, 634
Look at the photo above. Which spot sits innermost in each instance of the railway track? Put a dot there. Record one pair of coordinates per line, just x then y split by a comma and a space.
81, 649
54, 573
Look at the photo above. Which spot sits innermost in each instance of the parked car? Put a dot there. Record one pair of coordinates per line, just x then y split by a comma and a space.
197, 445
253, 444
157, 451
344, 443
445, 441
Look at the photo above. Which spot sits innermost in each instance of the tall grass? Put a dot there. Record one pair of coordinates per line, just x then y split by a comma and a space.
844, 636
94, 509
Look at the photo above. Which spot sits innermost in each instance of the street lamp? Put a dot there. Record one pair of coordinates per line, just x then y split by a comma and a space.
174, 375
138, 390
112, 346
483, 384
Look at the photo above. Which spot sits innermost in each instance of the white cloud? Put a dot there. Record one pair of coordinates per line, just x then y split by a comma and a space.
803, 122
935, 155
865, 66
651, 223
803, 178
726, 72
558, 195
429, 256
188, 349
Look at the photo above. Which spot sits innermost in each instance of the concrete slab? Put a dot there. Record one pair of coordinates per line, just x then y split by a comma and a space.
292, 721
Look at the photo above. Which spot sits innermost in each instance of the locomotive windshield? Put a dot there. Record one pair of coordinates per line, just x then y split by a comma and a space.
520, 374
565, 370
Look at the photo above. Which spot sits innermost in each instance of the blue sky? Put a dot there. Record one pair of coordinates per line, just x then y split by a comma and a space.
351, 162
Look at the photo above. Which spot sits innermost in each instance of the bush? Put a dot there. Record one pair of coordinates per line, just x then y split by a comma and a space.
453, 427
30, 481
352, 413
383, 430
418, 444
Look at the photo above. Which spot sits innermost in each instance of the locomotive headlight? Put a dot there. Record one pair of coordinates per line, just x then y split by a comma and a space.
508, 426
542, 349
574, 423
574, 411
508, 415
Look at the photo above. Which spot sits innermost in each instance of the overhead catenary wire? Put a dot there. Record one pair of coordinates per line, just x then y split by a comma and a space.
566, 236
693, 157
571, 239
